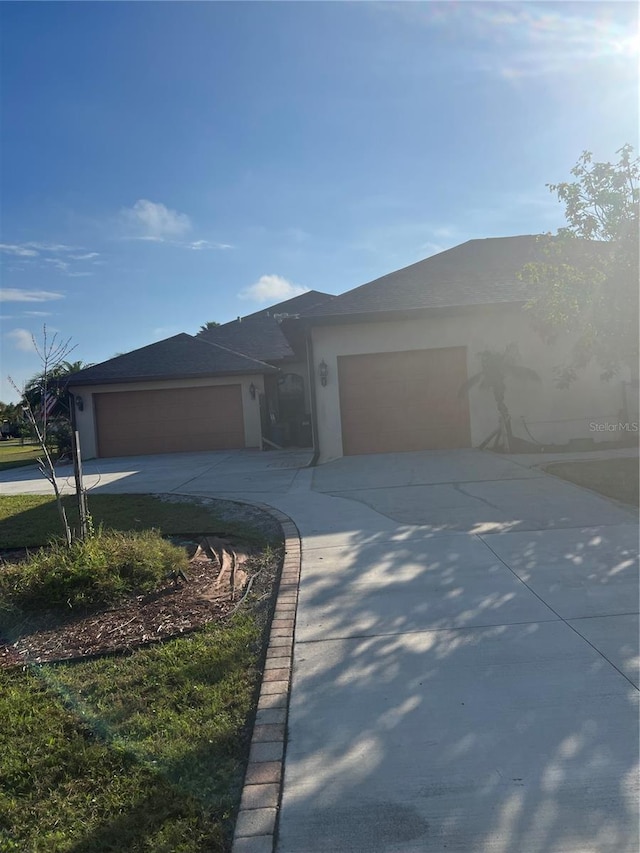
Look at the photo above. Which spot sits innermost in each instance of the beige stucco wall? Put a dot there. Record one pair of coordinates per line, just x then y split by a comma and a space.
551, 414
86, 421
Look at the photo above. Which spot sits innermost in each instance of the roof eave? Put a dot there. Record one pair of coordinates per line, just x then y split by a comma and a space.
267, 368
401, 313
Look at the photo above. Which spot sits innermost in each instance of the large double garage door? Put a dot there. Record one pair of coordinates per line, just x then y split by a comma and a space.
130, 423
400, 401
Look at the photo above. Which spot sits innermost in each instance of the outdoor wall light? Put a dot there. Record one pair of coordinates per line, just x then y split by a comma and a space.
252, 391
323, 372
79, 403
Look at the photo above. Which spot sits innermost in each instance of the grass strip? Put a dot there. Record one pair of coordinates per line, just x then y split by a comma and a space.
32, 520
615, 478
143, 753
16, 455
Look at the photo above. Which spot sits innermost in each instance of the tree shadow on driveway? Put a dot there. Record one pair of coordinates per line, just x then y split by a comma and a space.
441, 702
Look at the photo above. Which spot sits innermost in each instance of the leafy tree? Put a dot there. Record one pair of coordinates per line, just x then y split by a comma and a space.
52, 381
495, 369
210, 324
10, 412
591, 291
13, 424
69, 367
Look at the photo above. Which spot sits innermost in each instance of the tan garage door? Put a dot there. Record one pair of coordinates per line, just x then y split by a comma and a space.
138, 422
403, 401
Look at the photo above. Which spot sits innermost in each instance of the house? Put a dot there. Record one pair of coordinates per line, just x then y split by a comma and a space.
377, 369
286, 402
223, 389
390, 357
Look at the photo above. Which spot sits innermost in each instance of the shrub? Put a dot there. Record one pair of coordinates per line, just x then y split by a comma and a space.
90, 575
59, 437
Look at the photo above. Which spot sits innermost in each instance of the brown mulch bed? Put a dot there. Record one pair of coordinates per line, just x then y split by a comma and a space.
219, 572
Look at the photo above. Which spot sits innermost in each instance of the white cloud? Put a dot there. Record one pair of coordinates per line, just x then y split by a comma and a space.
530, 39
36, 313
16, 294
155, 222
148, 220
199, 245
20, 251
22, 340
52, 247
24, 253
61, 266
269, 287
33, 248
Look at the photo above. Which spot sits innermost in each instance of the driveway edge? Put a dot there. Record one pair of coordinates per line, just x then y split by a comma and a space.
257, 820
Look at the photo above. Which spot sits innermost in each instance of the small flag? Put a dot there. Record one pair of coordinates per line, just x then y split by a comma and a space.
49, 404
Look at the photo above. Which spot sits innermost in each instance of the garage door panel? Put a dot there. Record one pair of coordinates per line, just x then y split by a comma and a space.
403, 401
169, 421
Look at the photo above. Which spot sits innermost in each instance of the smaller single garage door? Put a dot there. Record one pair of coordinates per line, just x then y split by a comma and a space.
399, 401
131, 423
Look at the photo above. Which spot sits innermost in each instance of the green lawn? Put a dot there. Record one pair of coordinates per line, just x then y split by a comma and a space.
615, 478
13, 455
144, 752
31, 520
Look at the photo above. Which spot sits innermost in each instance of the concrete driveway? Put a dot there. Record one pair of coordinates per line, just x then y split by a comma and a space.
467, 681
466, 663
233, 470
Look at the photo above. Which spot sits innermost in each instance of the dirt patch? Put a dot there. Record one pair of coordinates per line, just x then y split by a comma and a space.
221, 570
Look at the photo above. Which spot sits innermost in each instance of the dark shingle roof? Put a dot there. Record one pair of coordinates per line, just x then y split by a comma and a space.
478, 272
259, 335
179, 357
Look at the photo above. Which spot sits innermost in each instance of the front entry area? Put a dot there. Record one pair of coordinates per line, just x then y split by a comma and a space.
131, 423
404, 401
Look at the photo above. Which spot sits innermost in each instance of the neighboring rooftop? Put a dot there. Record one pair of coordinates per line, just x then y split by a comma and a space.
182, 356
478, 272
259, 335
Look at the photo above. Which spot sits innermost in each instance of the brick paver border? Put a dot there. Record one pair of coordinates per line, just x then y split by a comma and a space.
257, 820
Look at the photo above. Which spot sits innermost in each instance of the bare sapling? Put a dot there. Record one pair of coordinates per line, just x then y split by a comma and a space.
52, 352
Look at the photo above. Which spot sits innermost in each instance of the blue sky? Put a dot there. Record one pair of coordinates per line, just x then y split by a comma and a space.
164, 164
